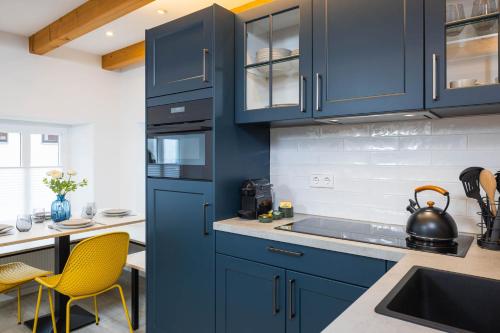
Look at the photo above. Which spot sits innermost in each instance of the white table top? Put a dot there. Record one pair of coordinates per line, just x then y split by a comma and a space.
137, 261
40, 235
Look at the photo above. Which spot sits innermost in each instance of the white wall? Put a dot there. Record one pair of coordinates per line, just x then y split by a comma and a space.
377, 166
103, 109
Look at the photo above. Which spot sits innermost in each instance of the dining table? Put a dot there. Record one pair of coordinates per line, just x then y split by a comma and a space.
62, 247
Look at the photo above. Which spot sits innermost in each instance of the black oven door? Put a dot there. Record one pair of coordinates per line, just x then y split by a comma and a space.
180, 151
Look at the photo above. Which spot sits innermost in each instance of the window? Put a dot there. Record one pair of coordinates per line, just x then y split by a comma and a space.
27, 152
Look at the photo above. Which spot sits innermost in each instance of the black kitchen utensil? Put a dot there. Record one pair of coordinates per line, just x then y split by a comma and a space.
431, 224
498, 181
470, 180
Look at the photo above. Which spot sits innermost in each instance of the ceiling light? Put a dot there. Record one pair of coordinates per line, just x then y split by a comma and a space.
409, 115
334, 120
109, 33
161, 11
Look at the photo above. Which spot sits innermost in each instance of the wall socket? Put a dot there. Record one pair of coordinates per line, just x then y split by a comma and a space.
321, 180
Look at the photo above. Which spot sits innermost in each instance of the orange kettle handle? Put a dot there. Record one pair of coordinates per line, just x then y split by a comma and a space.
432, 188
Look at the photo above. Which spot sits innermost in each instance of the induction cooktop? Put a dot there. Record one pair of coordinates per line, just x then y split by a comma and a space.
373, 233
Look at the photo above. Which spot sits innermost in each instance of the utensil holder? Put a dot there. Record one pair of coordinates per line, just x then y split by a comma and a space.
484, 239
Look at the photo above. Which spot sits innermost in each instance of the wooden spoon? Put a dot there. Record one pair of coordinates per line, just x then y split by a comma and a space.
489, 184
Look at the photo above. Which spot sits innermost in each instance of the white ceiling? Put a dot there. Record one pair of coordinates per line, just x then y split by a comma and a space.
25, 17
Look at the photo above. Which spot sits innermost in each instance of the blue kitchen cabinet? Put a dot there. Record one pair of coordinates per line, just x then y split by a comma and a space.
368, 56
180, 256
461, 57
314, 302
250, 296
274, 62
179, 54
269, 286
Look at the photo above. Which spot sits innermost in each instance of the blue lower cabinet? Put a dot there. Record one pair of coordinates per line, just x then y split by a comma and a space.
180, 257
314, 302
254, 297
250, 296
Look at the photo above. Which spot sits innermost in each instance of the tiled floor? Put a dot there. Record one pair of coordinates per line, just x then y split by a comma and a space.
110, 310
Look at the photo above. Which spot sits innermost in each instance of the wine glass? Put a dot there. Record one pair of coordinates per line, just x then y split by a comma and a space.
455, 12
484, 7
23, 222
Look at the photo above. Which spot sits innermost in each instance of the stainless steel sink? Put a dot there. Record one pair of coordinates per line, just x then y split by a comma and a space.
446, 301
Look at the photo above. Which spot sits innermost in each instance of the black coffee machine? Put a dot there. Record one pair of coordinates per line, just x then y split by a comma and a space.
256, 198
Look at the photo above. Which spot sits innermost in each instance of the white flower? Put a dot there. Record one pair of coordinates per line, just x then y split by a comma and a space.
57, 174
71, 172
53, 173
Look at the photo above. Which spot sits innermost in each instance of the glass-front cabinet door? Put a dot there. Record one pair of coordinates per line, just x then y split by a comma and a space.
462, 53
273, 62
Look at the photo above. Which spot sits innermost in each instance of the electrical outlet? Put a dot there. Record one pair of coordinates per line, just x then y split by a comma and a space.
321, 180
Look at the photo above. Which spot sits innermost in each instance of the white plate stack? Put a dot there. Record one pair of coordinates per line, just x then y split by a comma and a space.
75, 224
278, 53
5, 229
116, 212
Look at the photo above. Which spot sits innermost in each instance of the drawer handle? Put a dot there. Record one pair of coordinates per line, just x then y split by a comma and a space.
285, 252
291, 296
276, 308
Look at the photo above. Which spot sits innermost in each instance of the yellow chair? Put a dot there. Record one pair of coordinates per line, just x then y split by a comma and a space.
15, 274
93, 268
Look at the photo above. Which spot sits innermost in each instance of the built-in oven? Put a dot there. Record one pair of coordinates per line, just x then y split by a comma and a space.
179, 140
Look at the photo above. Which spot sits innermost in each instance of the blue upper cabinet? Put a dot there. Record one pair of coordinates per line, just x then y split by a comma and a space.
179, 55
461, 53
368, 56
274, 62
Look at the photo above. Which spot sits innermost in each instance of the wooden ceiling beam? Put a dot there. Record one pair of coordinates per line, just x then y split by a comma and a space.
89, 16
135, 54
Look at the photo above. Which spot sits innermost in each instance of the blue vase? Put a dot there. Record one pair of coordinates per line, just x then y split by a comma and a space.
60, 209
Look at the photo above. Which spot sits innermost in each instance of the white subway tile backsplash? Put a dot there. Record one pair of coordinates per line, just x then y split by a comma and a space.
376, 167
443, 142
321, 145
340, 131
420, 158
371, 144
484, 142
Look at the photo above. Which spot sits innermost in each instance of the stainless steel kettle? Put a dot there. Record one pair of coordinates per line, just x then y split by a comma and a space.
430, 223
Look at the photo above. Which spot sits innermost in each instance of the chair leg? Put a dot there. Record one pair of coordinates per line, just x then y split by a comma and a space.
125, 308
19, 320
52, 314
68, 315
96, 311
37, 310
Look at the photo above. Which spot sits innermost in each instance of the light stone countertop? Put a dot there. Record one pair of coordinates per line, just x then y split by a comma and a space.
361, 316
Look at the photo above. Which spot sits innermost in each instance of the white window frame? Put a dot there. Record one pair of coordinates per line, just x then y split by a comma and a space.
26, 129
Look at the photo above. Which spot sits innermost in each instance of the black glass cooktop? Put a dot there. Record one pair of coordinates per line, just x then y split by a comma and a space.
373, 233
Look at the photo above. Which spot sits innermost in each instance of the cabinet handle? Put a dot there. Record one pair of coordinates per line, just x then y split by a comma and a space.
291, 295
435, 96
285, 252
318, 92
276, 308
204, 76
302, 93
205, 224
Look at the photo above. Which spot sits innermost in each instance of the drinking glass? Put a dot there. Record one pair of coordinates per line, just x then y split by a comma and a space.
24, 222
38, 215
89, 211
